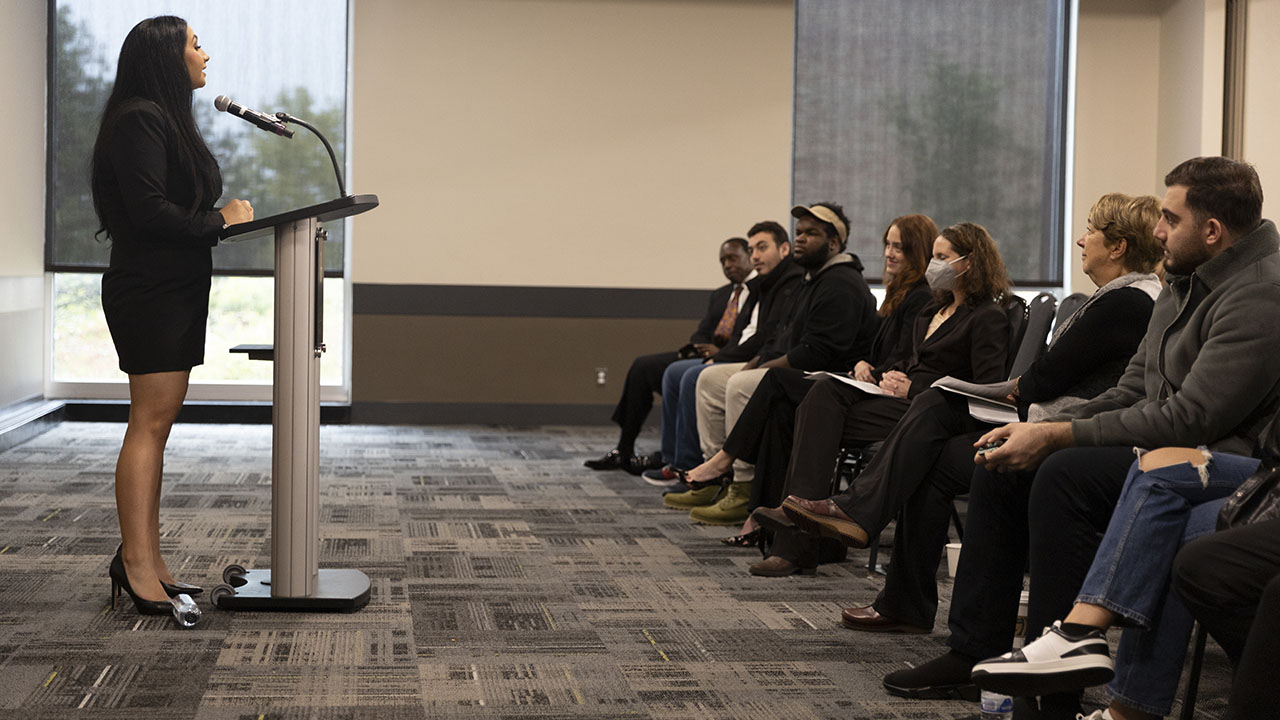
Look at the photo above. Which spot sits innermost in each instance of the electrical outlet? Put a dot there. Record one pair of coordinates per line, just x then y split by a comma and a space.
602, 376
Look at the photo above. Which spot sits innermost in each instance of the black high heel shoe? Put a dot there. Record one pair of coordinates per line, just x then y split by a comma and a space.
176, 588
119, 579
723, 479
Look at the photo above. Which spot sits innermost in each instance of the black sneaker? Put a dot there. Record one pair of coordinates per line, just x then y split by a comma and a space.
945, 677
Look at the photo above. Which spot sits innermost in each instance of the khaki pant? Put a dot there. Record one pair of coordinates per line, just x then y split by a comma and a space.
723, 390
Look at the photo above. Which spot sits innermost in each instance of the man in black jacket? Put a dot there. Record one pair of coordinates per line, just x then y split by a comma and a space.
644, 378
777, 278
830, 326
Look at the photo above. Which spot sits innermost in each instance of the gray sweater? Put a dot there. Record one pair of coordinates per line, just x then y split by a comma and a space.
1208, 369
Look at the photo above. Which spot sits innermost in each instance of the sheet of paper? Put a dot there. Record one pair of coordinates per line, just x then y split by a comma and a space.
865, 387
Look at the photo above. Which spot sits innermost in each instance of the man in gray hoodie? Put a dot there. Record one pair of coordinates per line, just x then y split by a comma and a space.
1207, 373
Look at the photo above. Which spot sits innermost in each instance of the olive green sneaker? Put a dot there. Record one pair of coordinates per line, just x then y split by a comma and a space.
731, 509
693, 498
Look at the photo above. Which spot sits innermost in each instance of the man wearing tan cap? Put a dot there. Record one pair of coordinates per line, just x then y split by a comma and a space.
829, 327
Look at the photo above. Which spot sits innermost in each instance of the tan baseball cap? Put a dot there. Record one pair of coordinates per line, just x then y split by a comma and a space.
826, 215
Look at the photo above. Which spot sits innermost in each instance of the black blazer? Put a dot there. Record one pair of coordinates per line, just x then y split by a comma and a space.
972, 345
895, 340
715, 310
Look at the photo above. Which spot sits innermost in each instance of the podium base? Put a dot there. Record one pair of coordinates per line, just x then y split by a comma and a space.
336, 590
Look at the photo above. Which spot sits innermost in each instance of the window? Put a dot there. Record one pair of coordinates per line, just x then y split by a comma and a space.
955, 110
285, 55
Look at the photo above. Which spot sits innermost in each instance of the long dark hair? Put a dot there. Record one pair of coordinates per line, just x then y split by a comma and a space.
917, 233
986, 278
152, 67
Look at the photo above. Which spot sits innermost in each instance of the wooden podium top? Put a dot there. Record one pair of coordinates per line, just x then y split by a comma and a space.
329, 210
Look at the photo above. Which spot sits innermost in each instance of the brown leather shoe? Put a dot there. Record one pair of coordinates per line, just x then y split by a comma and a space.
772, 518
867, 619
825, 518
774, 566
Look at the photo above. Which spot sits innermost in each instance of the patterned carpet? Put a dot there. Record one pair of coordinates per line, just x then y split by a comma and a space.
508, 582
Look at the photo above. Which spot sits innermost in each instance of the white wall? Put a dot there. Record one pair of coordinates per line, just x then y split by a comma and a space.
22, 55
567, 142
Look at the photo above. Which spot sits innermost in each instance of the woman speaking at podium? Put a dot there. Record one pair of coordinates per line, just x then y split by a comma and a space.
154, 187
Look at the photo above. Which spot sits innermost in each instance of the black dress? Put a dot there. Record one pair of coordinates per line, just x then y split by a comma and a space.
155, 293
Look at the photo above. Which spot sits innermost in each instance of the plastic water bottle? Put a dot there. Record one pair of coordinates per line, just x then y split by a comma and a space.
185, 611
995, 707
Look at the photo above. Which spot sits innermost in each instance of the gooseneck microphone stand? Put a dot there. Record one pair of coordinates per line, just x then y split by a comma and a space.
285, 117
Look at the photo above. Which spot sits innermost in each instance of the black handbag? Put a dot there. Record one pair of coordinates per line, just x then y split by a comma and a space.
1257, 499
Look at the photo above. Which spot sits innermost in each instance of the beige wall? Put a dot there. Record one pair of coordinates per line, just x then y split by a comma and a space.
1149, 90
566, 142
1116, 108
1262, 102
22, 55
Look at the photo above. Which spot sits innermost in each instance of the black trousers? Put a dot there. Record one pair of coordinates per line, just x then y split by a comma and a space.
1052, 520
910, 591
925, 462
644, 379
831, 415
764, 431
1230, 581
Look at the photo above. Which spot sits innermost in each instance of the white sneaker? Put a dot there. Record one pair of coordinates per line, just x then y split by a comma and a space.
1103, 714
1053, 663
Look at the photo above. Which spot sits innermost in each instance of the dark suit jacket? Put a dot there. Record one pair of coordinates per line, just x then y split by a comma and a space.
895, 341
715, 310
972, 345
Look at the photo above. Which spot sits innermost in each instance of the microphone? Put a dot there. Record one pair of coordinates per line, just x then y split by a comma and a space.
264, 121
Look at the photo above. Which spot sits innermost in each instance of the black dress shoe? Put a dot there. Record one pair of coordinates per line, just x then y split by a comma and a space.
611, 461
637, 464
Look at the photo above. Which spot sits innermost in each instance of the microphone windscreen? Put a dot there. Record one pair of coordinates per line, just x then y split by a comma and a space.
222, 102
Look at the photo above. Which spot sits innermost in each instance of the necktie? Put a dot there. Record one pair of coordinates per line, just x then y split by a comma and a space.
725, 328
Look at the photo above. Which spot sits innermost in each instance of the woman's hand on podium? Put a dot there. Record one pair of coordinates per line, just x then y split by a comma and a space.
237, 211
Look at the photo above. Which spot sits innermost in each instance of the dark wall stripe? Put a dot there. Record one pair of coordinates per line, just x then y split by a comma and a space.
427, 413
517, 301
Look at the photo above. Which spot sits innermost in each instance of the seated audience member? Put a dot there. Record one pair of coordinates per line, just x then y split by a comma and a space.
963, 333
776, 279
645, 375
1206, 373
1230, 581
1172, 496
830, 325
906, 241
928, 458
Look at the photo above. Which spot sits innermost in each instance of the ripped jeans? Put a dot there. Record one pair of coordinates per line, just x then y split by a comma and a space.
1157, 513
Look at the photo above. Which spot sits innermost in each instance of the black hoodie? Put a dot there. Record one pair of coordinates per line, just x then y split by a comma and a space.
832, 319
773, 293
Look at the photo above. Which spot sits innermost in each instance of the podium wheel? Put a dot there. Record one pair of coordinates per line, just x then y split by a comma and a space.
219, 593
232, 571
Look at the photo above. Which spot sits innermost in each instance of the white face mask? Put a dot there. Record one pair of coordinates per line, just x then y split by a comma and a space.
941, 274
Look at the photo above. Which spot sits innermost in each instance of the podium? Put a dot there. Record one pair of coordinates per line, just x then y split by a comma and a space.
295, 580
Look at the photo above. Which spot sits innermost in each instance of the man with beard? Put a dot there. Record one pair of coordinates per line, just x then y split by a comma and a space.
830, 326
